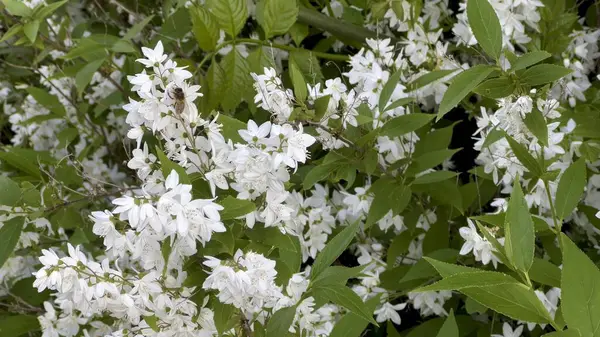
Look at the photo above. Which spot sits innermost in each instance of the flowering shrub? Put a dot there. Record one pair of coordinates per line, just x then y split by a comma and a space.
299, 168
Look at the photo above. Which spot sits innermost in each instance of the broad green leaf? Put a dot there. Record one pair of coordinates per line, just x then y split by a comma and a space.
496, 87
398, 103
204, 27
475, 279
536, 123
280, 322
564, 333
31, 29
398, 247
529, 59
224, 316
580, 284
231, 126
428, 78
429, 160
10, 192
9, 237
543, 73
336, 275
276, 17
319, 173
25, 160
516, 301
518, 230
231, 15
351, 324
570, 188
423, 271
404, 124
346, 298
12, 31
137, 28
545, 272
14, 326
237, 79
530, 163
333, 249
233, 207
84, 76
166, 165
299, 32
434, 177
389, 195
461, 85
308, 64
300, 89
17, 8
449, 329
152, 322
48, 9
485, 26
388, 90
473, 307
47, 100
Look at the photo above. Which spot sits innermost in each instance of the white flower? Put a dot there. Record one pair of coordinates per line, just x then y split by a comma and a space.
507, 331
154, 57
387, 311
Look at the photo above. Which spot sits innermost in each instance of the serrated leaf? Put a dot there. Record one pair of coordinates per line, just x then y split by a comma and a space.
47, 100
543, 73
276, 17
434, 177
388, 90
233, 207
280, 322
9, 237
205, 28
461, 85
14, 326
404, 124
333, 249
545, 272
12, 31
299, 32
570, 189
236, 79
300, 89
350, 325
525, 157
10, 192
450, 328
31, 29
474, 279
224, 316
536, 123
580, 286
529, 59
137, 28
428, 78
346, 298
231, 15
337, 275
85, 75
17, 8
166, 166
485, 26
496, 87
519, 243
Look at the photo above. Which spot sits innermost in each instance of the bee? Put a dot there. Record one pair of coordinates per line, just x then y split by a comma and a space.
178, 95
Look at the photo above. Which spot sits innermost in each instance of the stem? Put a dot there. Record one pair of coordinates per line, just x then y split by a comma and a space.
557, 225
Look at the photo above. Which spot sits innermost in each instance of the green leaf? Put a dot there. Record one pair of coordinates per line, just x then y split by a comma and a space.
428, 78
166, 166
231, 15
467, 280
280, 322
404, 124
337, 275
137, 28
543, 73
17, 8
496, 87
299, 32
10, 192
450, 328
237, 79
461, 85
346, 298
47, 100
530, 163
516, 301
152, 322
398, 103
9, 237
231, 126
486, 26
300, 89
580, 284
12, 31
434, 177
518, 230
536, 123
545, 272
14, 326
564, 333
529, 59
389, 195
333, 249
49, 9
233, 207
276, 17
31, 29
388, 90
84, 76
25, 160
350, 325
429, 160
204, 27
224, 316
319, 173
570, 188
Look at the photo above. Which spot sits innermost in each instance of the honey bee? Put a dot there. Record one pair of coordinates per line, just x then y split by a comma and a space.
178, 95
